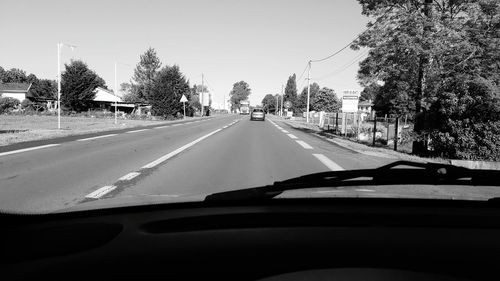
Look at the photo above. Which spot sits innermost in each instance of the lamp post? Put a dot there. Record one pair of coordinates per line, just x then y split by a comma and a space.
59, 47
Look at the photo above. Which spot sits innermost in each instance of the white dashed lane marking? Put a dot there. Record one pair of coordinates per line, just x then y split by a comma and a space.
161, 127
129, 176
304, 144
327, 162
177, 151
101, 192
292, 136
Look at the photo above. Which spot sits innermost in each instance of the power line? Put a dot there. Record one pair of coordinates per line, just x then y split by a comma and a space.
344, 67
357, 37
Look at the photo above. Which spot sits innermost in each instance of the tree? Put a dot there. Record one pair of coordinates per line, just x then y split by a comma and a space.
78, 83
302, 99
269, 103
291, 91
145, 73
44, 88
240, 92
438, 60
370, 92
326, 100
168, 87
131, 93
14, 75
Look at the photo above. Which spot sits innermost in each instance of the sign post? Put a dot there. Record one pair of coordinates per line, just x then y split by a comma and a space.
184, 100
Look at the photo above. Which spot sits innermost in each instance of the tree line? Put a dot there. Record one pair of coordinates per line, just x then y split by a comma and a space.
320, 98
152, 84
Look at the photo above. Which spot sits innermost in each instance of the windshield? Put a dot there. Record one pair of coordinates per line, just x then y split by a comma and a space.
111, 103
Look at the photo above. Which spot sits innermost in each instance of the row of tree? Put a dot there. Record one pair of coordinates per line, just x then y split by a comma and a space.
320, 99
438, 61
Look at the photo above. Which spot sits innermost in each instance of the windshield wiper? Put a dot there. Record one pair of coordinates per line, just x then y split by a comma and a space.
397, 173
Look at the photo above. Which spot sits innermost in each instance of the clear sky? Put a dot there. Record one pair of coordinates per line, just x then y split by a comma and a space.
260, 42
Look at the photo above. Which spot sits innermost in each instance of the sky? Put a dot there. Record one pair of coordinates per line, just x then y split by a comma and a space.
259, 42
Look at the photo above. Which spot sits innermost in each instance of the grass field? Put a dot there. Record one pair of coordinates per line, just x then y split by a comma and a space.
45, 127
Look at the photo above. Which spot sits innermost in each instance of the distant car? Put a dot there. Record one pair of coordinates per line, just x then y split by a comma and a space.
257, 114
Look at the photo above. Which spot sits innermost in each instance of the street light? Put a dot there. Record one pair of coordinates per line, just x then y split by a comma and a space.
59, 47
116, 89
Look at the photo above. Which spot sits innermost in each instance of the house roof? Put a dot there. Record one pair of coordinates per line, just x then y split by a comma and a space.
14, 87
106, 95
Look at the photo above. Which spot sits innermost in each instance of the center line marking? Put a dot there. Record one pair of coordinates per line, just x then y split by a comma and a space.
129, 176
28, 149
327, 162
98, 137
136, 131
176, 124
304, 144
177, 151
285, 131
292, 136
101, 192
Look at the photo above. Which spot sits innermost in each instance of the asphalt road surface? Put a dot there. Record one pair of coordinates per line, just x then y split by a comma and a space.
193, 158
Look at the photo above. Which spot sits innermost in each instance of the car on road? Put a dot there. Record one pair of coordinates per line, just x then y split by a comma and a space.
258, 114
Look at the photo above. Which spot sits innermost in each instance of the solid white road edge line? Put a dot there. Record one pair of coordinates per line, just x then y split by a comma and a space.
177, 151
101, 192
304, 144
161, 127
327, 162
129, 176
365, 190
98, 137
28, 149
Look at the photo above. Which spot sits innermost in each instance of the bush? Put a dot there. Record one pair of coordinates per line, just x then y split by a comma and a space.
476, 141
8, 104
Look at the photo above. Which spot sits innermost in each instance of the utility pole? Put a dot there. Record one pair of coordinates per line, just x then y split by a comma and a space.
59, 45
201, 94
282, 95
277, 103
308, 91
116, 96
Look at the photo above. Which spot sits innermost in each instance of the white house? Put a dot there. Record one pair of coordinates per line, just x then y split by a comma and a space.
15, 90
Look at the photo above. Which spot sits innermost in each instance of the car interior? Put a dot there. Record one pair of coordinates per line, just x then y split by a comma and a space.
275, 239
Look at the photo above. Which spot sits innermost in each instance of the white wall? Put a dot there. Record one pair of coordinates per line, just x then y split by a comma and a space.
18, 96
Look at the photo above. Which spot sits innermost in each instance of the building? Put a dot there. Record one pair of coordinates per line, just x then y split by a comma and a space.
365, 108
19, 91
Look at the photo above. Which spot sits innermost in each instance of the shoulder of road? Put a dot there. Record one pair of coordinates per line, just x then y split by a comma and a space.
386, 153
89, 135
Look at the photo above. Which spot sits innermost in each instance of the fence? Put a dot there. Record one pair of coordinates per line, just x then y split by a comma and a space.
360, 126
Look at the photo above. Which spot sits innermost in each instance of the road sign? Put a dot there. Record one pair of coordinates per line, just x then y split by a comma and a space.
184, 99
288, 104
350, 101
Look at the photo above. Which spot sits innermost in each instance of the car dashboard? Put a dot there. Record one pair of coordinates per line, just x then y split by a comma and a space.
280, 239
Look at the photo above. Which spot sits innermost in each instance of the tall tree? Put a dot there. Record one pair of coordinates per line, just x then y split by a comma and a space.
145, 73
78, 83
269, 103
326, 100
240, 92
302, 99
291, 91
169, 86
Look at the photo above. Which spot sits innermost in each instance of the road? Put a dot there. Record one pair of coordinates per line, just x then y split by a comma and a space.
175, 161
